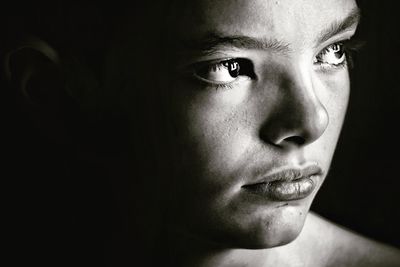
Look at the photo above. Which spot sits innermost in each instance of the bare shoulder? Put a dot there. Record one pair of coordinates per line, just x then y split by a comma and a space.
342, 247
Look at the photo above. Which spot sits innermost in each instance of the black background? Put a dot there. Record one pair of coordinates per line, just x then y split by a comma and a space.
53, 218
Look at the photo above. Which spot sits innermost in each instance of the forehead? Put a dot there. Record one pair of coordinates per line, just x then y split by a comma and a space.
289, 20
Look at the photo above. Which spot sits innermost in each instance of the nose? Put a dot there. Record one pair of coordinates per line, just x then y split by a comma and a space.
298, 117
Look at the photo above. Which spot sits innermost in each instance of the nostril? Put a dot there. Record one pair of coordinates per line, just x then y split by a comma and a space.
298, 140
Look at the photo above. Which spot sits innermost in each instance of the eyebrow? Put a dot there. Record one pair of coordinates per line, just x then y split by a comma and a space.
212, 43
340, 26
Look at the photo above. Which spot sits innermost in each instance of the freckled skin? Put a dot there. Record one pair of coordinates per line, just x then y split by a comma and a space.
223, 135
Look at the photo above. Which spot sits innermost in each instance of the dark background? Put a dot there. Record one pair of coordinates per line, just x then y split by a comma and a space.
56, 218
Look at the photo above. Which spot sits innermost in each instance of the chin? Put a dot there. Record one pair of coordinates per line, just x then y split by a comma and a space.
275, 236
277, 228
262, 229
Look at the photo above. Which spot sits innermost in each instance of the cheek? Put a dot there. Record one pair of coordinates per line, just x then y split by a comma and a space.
215, 134
211, 131
212, 125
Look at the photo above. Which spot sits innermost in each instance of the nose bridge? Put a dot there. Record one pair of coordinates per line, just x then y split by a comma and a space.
300, 117
309, 114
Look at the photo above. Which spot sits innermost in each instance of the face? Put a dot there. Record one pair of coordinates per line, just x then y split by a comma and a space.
257, 103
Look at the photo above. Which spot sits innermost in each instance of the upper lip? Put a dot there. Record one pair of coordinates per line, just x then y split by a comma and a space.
289, 174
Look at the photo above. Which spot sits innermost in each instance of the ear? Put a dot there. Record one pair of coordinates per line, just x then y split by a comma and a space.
29, 62
32, 69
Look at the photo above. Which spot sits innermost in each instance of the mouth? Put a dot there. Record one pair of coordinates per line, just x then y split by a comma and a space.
286, 185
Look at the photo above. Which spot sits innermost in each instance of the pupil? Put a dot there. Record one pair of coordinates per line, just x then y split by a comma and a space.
233, 68
337, 49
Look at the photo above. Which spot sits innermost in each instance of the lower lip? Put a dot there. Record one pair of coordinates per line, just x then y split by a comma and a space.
284, 190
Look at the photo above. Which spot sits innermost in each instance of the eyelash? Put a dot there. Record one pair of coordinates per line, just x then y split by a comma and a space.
349, 48
246, 69
329, 66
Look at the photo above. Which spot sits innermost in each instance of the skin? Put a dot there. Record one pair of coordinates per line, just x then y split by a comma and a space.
289, 116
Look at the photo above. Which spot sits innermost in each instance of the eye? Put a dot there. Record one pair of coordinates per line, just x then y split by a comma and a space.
332, 56
225, 72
